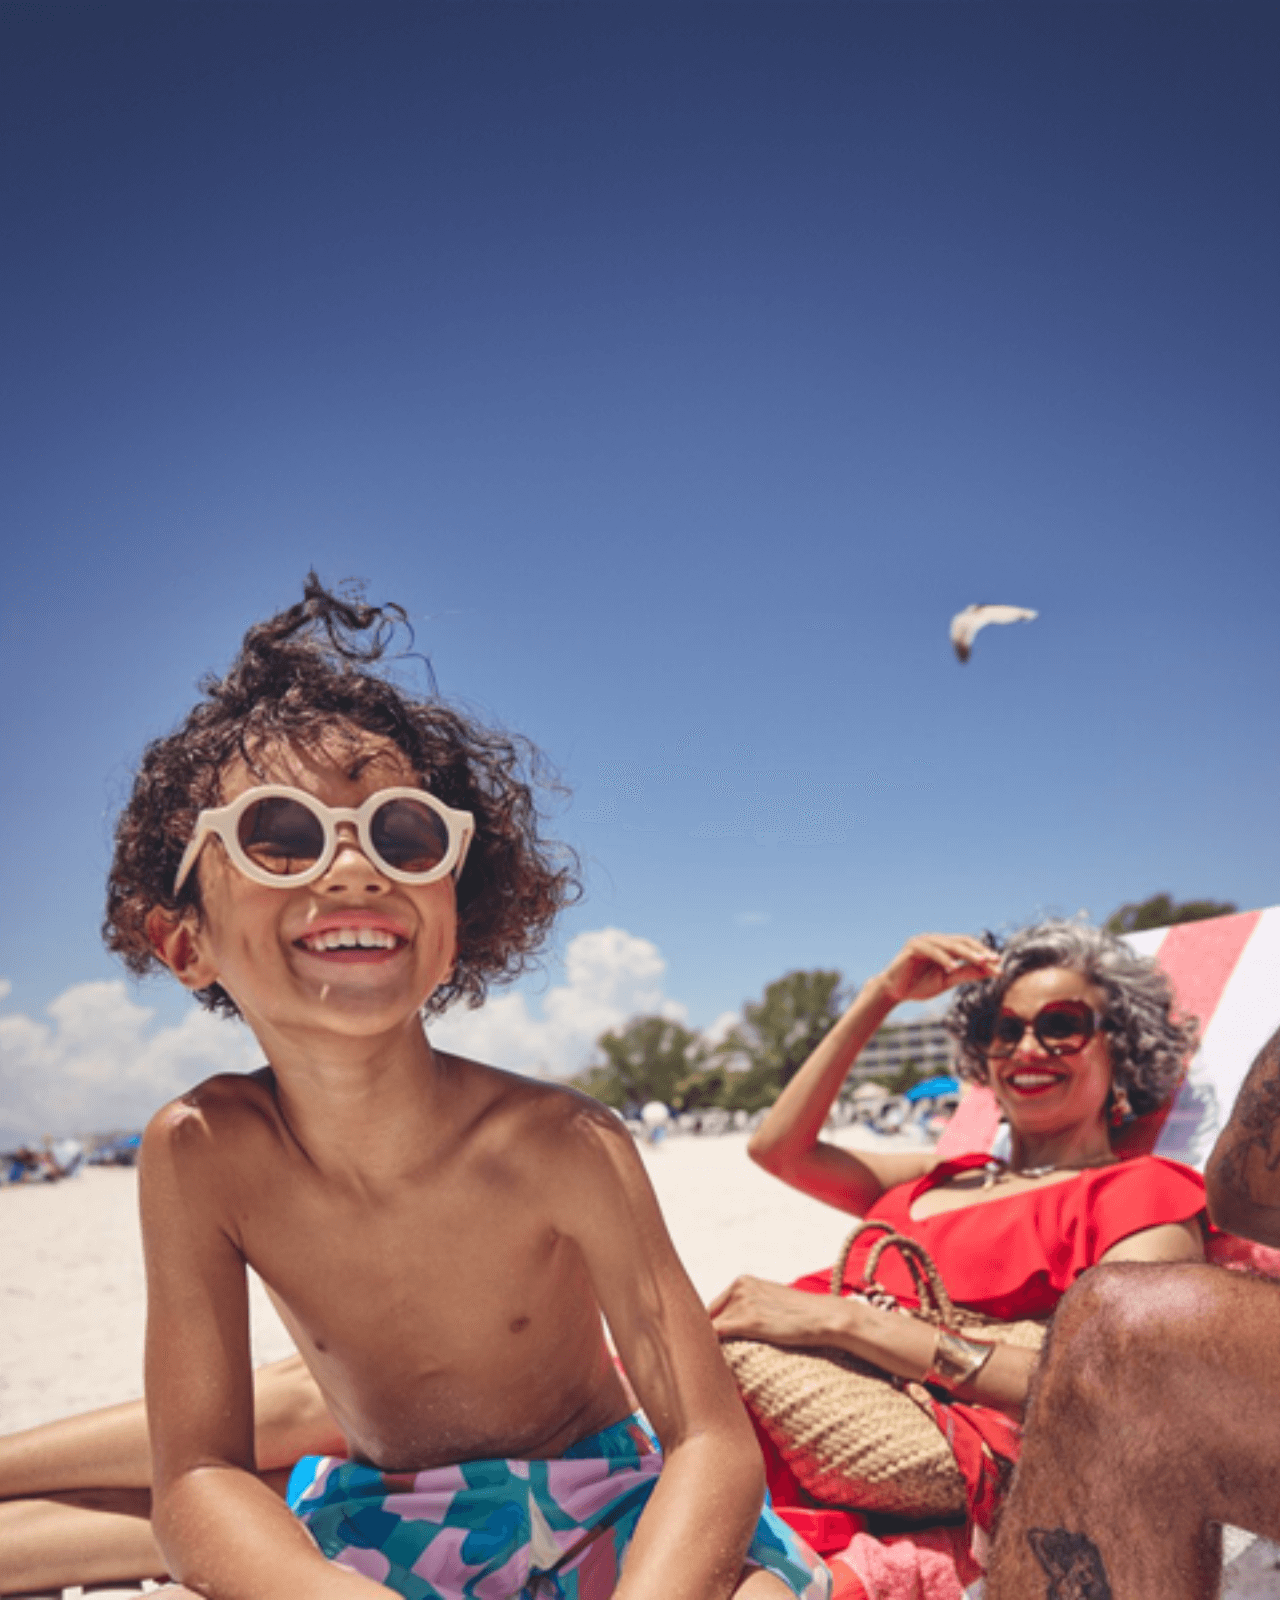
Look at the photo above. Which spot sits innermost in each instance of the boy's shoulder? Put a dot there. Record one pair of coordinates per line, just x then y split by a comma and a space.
540, 1109
215, 1107
549, 1139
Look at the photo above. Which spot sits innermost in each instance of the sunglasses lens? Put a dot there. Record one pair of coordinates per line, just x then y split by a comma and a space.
1005, 1034
281, 836
1064, 1029
409, 836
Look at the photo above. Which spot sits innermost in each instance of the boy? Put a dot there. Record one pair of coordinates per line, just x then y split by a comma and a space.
325, 856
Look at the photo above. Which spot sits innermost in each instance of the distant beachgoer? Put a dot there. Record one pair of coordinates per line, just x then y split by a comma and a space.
325, 856
656, 1117
1073, 1033
31, 1166
1164, 1384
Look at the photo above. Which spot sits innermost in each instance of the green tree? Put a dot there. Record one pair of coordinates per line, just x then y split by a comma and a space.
1162, 911
703, 1087
648, 1058
777, 1035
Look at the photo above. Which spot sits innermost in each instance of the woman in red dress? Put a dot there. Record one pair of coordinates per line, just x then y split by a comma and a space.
1075, 1035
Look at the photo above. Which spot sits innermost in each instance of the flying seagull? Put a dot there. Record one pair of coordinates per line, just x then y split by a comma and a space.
967, 624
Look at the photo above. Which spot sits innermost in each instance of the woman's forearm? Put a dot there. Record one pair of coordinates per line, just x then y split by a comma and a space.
906, 1346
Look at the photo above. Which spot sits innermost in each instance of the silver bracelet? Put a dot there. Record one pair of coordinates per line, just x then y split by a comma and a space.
957, 1359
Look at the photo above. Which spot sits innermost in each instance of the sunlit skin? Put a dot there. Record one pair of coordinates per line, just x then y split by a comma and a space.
440, 1238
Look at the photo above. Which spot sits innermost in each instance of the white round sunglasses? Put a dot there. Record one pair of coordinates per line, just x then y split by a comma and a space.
286, 837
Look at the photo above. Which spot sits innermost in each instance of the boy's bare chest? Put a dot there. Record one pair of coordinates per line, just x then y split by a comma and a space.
448, 1256
441, 1326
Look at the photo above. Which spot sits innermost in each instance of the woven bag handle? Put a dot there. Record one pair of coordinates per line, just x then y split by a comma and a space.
842, 1260
929, 1284
935, 1302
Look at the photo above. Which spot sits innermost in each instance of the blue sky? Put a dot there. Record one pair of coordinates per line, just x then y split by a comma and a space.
681, 369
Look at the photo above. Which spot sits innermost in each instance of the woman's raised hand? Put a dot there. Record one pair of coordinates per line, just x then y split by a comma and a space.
931, 963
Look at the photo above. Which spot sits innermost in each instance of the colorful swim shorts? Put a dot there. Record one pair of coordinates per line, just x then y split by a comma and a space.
511, 1530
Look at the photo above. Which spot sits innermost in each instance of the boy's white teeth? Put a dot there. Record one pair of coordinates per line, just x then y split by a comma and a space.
352, 939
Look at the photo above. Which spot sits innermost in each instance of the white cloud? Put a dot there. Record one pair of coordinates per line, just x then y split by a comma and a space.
96, 1065
610, 976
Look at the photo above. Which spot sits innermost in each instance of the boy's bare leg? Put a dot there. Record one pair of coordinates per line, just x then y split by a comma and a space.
110, 1448
1155, 1417
107, 1449
75, 1503
84, 1536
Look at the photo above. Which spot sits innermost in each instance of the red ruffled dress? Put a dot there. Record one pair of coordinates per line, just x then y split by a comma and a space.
1011, 1257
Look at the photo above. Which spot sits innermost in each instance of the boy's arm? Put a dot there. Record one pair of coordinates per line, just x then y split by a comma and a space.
221, 1530
692, 1538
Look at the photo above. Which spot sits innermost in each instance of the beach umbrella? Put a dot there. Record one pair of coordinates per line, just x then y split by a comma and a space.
967, 624
931, 1088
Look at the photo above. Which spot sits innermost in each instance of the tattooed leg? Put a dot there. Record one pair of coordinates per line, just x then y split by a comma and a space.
1072, 1562
1154, 1418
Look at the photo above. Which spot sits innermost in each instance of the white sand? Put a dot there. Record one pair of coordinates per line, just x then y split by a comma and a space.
71, 1281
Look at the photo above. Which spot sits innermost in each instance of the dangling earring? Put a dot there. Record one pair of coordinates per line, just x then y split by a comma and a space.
1119, 1110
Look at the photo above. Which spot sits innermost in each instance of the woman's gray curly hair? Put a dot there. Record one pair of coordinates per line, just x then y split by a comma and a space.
1149, 1046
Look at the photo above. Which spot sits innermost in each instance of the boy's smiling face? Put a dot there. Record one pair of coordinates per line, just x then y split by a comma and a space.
352, 952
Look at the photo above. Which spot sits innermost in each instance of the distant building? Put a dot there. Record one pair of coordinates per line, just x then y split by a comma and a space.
925, 1042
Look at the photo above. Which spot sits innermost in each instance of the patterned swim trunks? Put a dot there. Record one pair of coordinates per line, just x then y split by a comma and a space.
511, 1530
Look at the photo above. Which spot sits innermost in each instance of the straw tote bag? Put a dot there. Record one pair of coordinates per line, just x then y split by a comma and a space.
853, 1434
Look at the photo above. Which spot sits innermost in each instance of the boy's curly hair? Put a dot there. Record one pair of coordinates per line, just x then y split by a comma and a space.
299, 677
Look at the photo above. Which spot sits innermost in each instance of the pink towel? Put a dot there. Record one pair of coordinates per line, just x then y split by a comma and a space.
934, 1564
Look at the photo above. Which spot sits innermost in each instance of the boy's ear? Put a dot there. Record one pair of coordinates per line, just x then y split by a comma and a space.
176, 941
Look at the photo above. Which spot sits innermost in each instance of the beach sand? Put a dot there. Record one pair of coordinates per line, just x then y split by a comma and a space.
72, 1296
